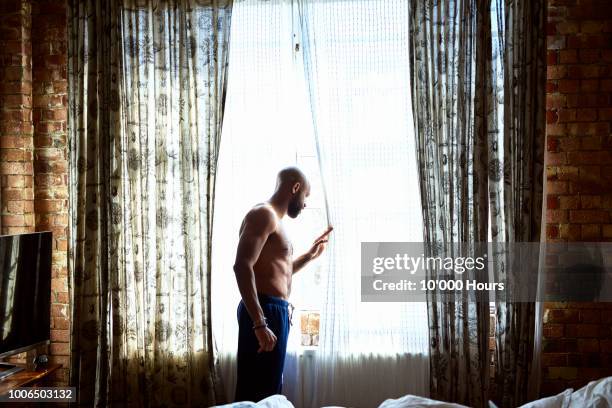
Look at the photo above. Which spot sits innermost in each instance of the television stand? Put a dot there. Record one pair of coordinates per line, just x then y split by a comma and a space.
28, 378
8, 369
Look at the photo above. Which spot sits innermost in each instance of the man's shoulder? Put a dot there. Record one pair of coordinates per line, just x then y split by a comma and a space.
262, 214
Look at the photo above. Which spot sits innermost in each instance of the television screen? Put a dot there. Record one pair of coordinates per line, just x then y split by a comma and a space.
25, 290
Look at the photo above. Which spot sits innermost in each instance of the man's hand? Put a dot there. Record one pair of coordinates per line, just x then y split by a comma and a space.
319, 244
266, 339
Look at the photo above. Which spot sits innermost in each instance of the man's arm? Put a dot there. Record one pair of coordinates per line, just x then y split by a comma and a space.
301, 261
258, 225
317, 248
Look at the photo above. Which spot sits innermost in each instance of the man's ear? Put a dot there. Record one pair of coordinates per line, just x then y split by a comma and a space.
296, 187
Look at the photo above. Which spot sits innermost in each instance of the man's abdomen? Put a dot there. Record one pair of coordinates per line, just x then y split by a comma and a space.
273, 280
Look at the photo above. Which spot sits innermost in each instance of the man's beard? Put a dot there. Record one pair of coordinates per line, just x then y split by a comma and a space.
294, 208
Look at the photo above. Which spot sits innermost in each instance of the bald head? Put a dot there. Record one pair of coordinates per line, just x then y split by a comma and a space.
293, 184
289, 176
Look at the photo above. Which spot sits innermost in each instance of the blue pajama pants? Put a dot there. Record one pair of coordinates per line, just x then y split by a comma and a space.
261, 374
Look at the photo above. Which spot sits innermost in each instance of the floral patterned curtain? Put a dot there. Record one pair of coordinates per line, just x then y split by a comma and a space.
478, 103
147, 84
516, 181
448, 61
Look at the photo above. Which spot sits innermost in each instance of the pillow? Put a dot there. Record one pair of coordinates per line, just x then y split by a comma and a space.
409, 401
596, 394
560, 400
273, 401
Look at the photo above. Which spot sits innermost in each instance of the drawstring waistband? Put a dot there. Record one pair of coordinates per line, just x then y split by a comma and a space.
291, 309
267, 299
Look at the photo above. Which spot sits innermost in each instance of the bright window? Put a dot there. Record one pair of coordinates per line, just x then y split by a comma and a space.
268, 126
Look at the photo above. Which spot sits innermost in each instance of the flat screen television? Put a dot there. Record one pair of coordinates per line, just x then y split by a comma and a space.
25, 291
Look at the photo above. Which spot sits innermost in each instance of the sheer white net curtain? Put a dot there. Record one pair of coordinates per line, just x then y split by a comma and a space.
356, 60
267, 127
353, 81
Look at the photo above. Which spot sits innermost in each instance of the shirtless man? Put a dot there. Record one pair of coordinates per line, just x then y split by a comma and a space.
264, 267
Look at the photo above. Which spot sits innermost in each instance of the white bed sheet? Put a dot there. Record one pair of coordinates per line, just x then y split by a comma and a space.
596, 394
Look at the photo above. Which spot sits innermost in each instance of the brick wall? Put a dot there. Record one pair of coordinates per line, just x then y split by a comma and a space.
16, 128
50, 102
33, 155
577, 344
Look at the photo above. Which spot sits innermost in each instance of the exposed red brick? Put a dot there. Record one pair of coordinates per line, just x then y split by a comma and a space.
33, 109
569, 86
554, 330
588, 216
569, 173
578, 336
567, 56
588, 345
570, 232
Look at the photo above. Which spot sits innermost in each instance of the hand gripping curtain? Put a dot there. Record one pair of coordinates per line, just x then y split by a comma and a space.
147, 84
447, 73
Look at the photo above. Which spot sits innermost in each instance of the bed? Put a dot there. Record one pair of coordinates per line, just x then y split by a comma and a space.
596, 394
